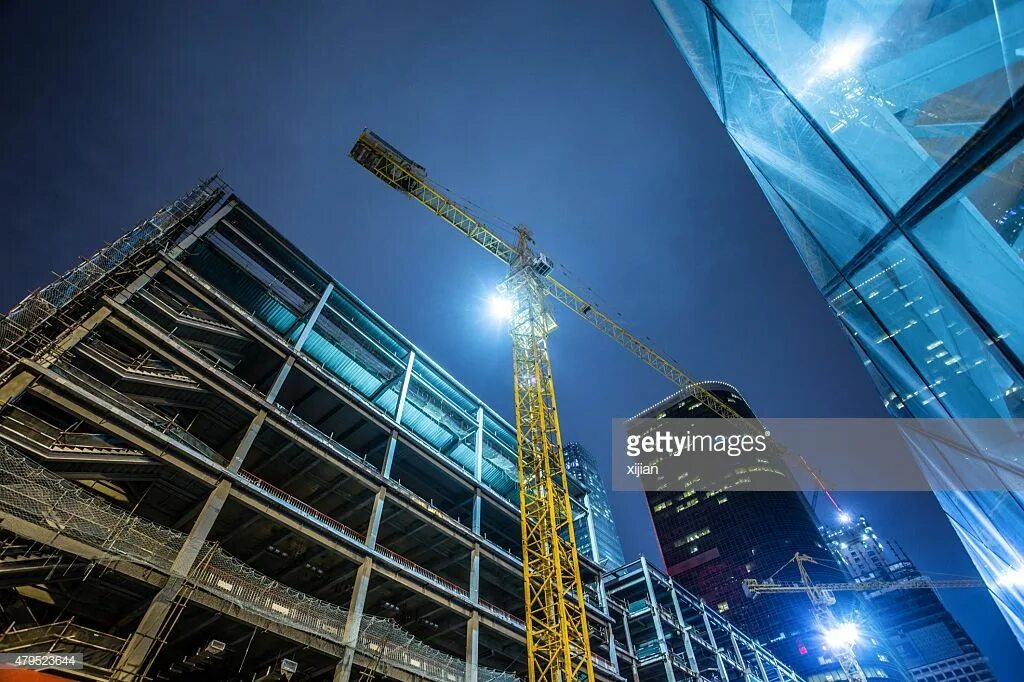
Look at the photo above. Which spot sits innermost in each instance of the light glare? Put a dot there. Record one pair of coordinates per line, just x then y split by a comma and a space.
1013, 577
842, 636
500, 307
843, 56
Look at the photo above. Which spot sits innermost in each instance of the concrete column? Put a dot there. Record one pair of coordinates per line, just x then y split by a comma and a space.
474, 574
350, 636
375, 515
282, 374
247, 440
148, 636
478, 470
477, 510
675, 603
613, 652
389, 457
747, 674
473, 647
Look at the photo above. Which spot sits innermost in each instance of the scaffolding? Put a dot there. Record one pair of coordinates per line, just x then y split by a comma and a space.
42, 305
35, 495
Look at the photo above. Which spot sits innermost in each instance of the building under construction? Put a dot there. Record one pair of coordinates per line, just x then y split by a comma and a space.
217, 463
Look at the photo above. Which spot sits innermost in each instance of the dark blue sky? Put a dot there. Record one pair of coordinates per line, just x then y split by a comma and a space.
580, 120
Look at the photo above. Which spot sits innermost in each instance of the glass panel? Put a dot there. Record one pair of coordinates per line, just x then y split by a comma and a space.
687, 22
791, 156
899, 88
976, 239
910, 393
815, 260
920, 316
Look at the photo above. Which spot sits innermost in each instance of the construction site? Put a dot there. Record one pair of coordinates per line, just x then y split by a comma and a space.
226, 454
218, 463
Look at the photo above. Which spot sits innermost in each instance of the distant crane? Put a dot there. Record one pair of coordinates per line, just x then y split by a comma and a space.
822, 596
557, 635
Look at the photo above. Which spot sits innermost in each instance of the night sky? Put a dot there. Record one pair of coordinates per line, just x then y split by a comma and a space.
579, 120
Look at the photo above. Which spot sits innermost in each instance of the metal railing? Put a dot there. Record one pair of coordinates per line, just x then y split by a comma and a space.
301, 507
33, 494
40, 305
154, 419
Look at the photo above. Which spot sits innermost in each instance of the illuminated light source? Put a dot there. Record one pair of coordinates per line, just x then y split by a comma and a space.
843, 55
842, 636
500, 307
844, 517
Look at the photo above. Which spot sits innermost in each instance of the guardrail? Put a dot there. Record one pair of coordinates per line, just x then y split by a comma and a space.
300, 506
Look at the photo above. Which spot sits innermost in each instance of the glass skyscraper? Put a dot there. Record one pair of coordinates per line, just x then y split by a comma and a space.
607, 548
714, 534
887, 135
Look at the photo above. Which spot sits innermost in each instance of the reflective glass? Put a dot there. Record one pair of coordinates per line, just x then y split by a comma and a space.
898, 86
687, 23
977, 240
791, 156
815, 259
921, 317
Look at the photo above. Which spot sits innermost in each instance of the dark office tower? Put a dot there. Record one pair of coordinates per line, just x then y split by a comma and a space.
217, 463
887, 138
606, 547
711, 541
928, 640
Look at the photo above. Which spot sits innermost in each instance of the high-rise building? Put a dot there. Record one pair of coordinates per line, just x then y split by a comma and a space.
215, 460
716, 535
598, 523
887, 138
929, 641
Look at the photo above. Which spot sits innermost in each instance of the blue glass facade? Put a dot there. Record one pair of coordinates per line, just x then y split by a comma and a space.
887, 138
606, 549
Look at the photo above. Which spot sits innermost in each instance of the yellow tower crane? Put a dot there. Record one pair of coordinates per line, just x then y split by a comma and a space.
822, 596
557, 637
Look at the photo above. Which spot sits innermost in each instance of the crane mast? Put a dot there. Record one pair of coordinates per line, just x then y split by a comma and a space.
558, 641
822, 600
557, 635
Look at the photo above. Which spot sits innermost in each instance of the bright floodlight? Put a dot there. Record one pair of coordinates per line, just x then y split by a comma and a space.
843, 55
500, 307
842, 636
844, 517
